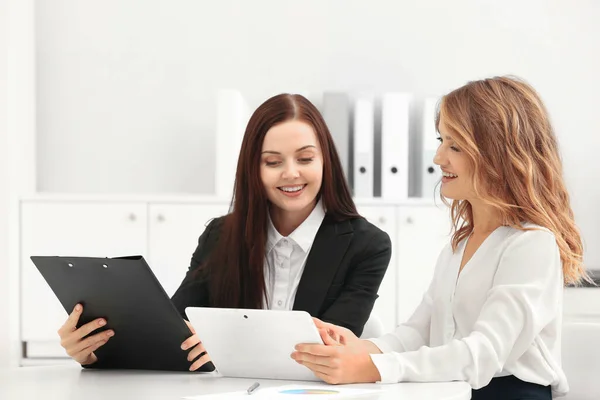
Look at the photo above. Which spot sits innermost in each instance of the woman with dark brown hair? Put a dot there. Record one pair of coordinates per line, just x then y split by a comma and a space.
293, 239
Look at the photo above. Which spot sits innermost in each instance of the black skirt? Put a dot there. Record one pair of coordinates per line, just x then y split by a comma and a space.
512, 388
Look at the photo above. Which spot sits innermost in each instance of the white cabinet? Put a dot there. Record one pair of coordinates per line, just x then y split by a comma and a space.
173, 235
581, 304
166, 234
385, 306
70, 229
422, 233
418, 234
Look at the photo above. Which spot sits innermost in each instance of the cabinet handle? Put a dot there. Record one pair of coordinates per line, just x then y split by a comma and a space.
382, 220
160, 218
132, 217
409, 220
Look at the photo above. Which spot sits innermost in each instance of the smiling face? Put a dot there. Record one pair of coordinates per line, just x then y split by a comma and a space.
457, 173
291, 167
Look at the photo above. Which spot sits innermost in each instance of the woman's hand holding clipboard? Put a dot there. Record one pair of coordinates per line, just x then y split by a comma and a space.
76, 341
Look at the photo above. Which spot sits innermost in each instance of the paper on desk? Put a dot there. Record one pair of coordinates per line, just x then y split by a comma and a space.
292, 392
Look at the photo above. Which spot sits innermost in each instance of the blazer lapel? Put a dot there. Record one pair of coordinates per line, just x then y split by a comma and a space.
327, 251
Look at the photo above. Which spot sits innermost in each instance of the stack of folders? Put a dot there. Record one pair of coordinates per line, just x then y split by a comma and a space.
352, 122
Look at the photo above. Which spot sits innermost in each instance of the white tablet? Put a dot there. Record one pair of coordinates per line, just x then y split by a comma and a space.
255, 343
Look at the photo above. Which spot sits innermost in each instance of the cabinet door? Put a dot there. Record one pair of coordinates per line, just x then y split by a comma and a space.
581, 304
422, 233
70, 229
385, 306
174, 231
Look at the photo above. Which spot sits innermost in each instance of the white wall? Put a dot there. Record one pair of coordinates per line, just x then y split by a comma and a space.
126, 88
4, 270
17, 157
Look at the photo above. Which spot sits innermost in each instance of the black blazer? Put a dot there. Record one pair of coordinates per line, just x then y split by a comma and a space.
339, 284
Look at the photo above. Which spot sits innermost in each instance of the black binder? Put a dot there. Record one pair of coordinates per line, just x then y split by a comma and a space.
148, 328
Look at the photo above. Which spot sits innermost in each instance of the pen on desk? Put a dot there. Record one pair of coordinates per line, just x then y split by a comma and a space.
253, 388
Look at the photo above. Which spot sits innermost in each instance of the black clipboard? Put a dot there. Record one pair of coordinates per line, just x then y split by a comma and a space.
148, 328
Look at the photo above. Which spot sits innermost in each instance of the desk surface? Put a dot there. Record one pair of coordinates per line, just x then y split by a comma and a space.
69, 382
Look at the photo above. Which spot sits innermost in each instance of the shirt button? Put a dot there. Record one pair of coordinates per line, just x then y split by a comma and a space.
284, 241
279, 303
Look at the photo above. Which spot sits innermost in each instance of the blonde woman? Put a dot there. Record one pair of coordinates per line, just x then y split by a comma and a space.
492, 314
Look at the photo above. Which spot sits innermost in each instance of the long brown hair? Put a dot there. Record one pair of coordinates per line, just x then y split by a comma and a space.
236, 266
502, 126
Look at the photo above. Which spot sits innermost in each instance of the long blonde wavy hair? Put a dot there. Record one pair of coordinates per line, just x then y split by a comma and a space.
503, 128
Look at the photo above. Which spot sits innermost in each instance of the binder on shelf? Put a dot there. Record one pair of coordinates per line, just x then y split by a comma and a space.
430, 173
395, 110
336, 112
364, 146
232, 117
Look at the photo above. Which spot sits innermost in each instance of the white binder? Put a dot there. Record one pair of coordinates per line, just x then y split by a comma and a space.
394, 145
232, 117
364, 166
336, 112
431, 174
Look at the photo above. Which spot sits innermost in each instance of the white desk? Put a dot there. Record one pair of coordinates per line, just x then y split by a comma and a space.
70, 383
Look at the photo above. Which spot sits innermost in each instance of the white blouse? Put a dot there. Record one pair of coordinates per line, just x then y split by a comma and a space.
502, 315
285, 259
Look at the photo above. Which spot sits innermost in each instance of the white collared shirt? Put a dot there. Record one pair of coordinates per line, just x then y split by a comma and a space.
285, 259
502, 316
